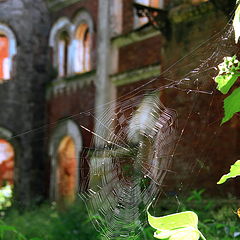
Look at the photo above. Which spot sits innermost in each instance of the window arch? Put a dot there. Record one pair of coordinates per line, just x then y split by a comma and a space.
62, 53
83, 32
60, 41
64, 149
7, 52
83, 49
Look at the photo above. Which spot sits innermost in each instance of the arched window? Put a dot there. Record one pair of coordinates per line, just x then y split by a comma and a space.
66, 171
62, 53
82, 49
7, 52
6, 163
65, 147
60, 42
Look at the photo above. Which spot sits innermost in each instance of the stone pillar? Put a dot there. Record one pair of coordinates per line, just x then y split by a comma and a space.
105, 91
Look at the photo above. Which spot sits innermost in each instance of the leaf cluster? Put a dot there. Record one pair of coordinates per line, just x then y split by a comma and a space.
229, 71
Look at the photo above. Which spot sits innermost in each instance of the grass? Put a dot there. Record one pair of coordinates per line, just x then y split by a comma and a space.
217, 220
48, 223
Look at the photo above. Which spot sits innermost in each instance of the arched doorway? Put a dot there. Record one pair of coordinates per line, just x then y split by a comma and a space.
65, 147
6, 163
66, 171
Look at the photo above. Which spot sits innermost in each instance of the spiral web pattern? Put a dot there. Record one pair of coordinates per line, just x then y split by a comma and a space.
127, 172
143, 138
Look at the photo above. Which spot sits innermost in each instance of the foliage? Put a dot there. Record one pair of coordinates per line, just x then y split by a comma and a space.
9, 232
183, 225
229, 71
234, 172
5, 196
217, 218
47, 222
231, 105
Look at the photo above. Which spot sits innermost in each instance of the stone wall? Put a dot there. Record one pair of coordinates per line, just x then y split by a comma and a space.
22, 98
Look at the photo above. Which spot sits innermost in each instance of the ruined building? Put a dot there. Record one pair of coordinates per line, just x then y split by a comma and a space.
62, 61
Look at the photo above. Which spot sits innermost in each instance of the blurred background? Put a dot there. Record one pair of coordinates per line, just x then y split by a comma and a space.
74, 73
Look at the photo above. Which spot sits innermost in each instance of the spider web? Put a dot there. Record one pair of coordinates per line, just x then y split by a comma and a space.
151, 140
144, 139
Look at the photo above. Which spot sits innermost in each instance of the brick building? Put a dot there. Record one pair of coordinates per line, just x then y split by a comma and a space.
63, 62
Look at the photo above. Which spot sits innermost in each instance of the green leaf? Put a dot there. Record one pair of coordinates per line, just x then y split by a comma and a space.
236, 22
176, 220
234, 172
189, 233
231, 105
225, 82
178, 226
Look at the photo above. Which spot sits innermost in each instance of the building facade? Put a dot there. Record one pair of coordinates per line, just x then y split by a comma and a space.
66, 67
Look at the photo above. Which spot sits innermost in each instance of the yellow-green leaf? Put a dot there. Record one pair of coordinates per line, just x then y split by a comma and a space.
234, 172
236, 22
177, 226
173, 221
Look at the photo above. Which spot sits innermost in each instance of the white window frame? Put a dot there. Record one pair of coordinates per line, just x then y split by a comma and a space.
62, 24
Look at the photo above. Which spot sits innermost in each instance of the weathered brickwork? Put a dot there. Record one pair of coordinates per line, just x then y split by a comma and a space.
140, 54
128, 16
77, 104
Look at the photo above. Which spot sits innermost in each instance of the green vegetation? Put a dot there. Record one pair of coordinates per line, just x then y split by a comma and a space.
217, 220
229, 71
46, 222
217, 217
5, 196
234, 172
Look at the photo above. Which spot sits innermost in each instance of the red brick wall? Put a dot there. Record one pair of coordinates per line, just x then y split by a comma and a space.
140, 54
78, 106
128, 18
70, 11
205, 150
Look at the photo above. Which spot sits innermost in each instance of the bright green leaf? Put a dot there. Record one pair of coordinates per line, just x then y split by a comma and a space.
176, 226
185, 233
236, 23
188, 233
173, 221
225, 82
231, 105
234, 172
